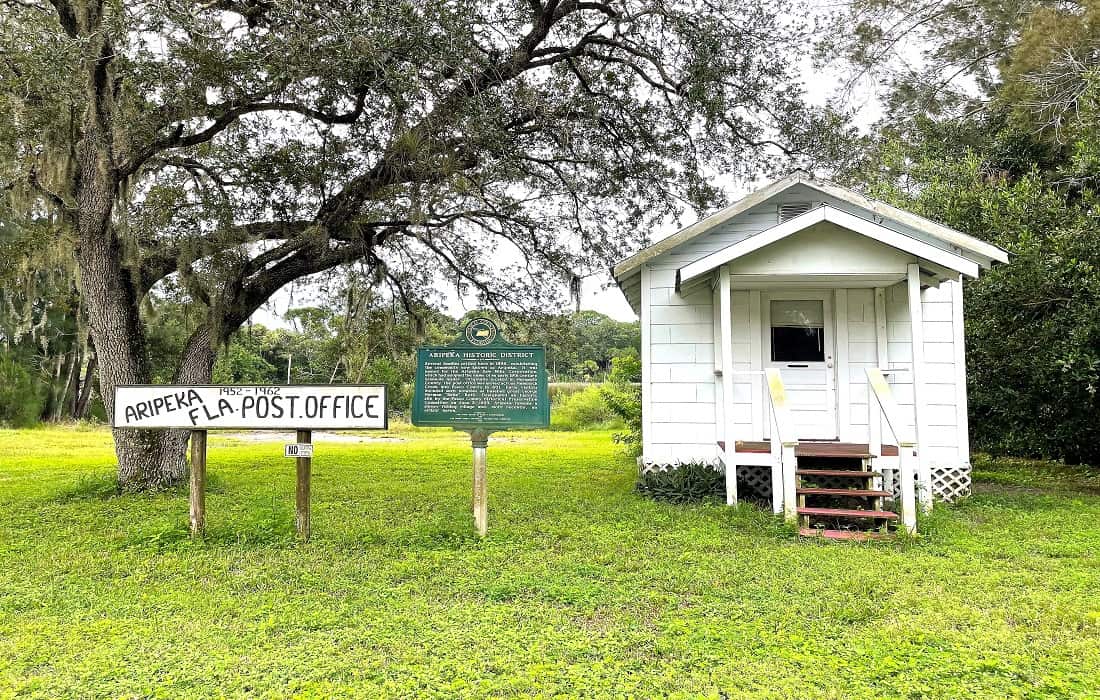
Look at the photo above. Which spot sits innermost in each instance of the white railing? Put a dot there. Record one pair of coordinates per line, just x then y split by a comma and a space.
907, 445
783, 442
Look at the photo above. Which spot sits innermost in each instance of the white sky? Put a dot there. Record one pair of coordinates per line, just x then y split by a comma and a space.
600, 293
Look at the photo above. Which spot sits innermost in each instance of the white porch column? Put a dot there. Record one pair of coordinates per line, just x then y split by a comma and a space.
725, 325
646, 317
920, 390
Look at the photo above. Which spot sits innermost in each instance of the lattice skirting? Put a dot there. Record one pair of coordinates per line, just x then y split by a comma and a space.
646, 467
948, 483
951, 483
754, 484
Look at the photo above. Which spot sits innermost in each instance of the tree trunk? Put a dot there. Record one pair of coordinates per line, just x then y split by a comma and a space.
146, 460
53, 394
73, 392
75, 363
196, 367
111, 291
81, 407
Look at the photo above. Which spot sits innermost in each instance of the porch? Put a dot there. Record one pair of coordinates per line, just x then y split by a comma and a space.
819, 357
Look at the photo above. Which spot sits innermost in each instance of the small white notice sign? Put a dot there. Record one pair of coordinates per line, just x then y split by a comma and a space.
298, 449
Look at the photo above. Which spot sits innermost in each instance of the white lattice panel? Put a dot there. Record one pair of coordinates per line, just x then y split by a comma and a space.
951, 483
754, 483
647, 467
948, 483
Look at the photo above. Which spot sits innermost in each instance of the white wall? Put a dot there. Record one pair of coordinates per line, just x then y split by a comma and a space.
681, 418
942, 442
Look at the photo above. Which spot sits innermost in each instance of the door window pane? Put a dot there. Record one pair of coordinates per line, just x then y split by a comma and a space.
798, 330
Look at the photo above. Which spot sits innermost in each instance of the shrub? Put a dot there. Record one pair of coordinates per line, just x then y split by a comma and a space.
383, 370
623, 396
584, 410
560, 392
21, 395
687, 483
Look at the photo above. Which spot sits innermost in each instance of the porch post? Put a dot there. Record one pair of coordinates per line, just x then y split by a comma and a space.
920, 391
646, 317
725, 326
908, 508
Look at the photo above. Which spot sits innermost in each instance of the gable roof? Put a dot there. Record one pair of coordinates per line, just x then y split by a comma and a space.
985, 252
818, 215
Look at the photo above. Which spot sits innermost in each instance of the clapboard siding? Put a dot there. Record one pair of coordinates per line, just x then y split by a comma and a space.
862, 355
940, 376
681, 420
742, 362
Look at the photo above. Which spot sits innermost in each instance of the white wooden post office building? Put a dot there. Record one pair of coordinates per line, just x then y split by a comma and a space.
809, 341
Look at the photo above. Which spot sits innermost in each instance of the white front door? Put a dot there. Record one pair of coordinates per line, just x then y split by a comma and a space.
798, 340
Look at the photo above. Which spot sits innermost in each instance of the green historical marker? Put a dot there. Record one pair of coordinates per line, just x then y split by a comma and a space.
481, 383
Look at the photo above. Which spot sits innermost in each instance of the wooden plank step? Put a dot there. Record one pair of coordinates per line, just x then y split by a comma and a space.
849, 535
847, 513
851, 473
847, 450
855, 493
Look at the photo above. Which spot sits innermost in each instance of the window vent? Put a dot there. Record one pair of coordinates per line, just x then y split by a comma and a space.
792, 209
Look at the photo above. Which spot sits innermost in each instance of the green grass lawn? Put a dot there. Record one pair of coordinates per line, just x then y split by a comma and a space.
582, 588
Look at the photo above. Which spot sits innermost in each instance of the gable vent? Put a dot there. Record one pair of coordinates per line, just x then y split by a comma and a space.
792, 209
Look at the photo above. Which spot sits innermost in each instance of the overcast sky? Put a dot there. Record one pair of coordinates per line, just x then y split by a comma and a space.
596, 294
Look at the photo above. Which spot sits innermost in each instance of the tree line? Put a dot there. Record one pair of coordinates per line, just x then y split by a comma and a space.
47, 362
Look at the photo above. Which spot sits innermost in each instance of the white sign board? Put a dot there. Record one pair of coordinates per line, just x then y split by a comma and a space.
294, 407
298, 449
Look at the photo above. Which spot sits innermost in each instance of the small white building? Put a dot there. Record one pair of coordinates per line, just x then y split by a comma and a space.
767, 328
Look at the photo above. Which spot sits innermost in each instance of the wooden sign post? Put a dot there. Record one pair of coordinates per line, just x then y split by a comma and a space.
302, 408
301, 495
479, 441
197, 493
481, 383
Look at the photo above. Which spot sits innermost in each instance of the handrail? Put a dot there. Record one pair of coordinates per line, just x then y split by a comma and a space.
784, 423
907, 444
889, 407
783, 443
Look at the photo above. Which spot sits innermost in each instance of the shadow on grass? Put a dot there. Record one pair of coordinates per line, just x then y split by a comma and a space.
104, 487
176, 536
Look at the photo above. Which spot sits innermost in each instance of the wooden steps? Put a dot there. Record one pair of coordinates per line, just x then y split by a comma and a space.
839, 498
848, 535
855, 493
842, 473
849, 513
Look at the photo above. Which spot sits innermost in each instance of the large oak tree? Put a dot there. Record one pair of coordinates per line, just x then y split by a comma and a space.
507, 147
